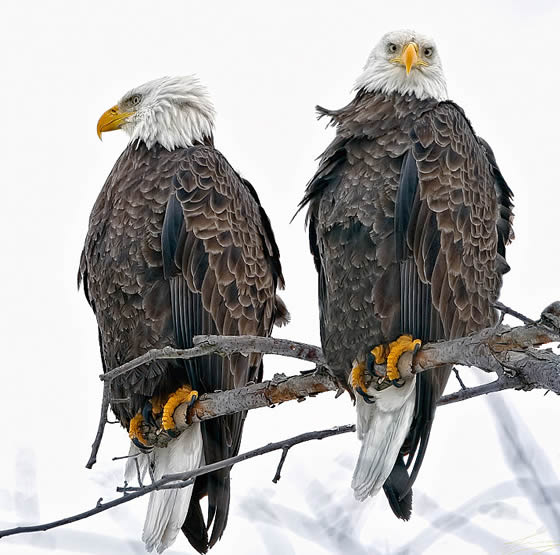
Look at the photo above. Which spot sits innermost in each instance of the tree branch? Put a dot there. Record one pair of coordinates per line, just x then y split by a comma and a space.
101, 426
509, 352
224, 345
180, 480
470, 392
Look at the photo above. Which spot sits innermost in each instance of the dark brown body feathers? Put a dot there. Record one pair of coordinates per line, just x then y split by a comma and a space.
178, 245
408, 218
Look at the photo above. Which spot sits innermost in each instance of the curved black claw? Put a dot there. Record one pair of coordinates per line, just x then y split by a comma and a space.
141, 446
148, 415
193, 400
367, 398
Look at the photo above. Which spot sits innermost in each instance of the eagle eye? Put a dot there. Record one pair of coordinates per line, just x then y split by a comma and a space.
428, 51
392, 47
135, 100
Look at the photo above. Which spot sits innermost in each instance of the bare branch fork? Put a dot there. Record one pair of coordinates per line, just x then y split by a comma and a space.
509, 352
223, 346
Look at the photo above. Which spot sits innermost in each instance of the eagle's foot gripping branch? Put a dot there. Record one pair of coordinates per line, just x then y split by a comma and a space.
184, 394
391, 353
135, 432
358, 381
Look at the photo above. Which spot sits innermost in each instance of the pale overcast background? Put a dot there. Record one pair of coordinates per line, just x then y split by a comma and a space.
266, 66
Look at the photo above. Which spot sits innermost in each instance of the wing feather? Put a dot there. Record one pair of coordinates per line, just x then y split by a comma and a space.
222, 263
461, 218
408, 220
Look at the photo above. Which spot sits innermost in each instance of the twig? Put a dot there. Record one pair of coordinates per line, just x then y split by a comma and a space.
180, 479
507, 310
457, 375
471, 392
280, 464
101, 426
224, 345
133, 456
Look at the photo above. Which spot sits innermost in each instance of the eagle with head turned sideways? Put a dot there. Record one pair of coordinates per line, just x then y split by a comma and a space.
409, 217
178, 245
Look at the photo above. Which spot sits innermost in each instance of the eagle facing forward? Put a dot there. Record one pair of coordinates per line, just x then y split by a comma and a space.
178, 245
409, 217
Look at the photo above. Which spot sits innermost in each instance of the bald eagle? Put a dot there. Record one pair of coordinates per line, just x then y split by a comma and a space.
409, 217
178, 245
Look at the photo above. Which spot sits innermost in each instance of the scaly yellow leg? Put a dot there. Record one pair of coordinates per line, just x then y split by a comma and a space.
184, 394
380, 354
396, 349
135, 430
157, 405
357, 376
358, 382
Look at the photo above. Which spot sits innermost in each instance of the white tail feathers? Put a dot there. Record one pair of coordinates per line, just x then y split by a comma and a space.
382, 427
167, 509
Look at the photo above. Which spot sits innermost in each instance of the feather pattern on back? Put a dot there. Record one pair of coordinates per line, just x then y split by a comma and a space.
408, 219
179, 245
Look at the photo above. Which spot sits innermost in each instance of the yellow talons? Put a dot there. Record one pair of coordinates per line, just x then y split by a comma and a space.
358, 382
157, 405
380, 354
357, 377
135, 429
396, 349
184, 394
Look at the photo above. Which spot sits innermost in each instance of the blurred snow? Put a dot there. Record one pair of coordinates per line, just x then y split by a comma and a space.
489, 483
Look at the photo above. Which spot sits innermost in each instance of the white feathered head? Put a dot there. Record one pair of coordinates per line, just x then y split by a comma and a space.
172, 111
405, 62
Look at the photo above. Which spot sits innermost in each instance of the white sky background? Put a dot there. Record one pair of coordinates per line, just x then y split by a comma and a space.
63, 64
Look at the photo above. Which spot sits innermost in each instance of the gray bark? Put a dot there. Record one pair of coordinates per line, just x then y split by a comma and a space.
511, 353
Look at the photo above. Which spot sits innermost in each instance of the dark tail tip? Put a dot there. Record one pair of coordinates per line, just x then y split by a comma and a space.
218, 503
194, 526
395, 486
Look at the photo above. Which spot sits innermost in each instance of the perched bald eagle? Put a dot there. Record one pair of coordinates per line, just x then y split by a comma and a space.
409, 217
178, 245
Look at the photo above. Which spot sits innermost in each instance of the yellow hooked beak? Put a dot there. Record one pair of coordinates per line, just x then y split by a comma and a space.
112, 119
409, 57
